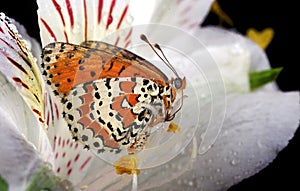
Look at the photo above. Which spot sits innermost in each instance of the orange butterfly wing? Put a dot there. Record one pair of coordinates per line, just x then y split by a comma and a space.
67, 65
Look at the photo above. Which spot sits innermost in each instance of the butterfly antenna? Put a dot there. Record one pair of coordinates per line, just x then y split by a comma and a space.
167, 61
164, 58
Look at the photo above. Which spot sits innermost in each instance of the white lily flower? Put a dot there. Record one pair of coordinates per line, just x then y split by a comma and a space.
227, 132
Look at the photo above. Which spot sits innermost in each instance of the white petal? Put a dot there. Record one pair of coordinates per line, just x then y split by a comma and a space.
76, 21
22, 88
23, 119
20, 68
256, 128
19, 160
187, 15
236, 56
71, 161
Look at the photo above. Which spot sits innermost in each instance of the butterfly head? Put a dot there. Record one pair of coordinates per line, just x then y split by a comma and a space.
177, 86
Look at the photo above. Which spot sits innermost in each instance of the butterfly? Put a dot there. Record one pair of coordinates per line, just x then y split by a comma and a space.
111, 97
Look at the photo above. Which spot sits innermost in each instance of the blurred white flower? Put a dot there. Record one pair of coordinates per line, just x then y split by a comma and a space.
236, 132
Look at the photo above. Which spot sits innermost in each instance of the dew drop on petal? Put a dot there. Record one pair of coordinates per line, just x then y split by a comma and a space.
233, 162
3, 50
203, 95
236, 50
237, 177
51, 39
129, 19
76, 29
191, 183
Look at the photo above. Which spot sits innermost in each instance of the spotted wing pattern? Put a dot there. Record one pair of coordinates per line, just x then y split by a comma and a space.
113, 113
111, 96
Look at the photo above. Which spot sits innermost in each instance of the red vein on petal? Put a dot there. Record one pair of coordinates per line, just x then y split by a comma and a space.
110, 18
20, 67
1, 30
179, 1
128, 35
122, 17
69, 163
186, 10
194, 25
54, 145
48, 118
66, 36
69, 171
37, 112
85, 21
76, 157
100, 7
70, 11
127, 44
37, 99
58, 8
59, 140
10, 46
117, 41
18, 80
41, 120
85, 163
49, 29
56, 110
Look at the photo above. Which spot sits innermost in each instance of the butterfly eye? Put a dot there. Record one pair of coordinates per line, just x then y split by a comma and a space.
177, 83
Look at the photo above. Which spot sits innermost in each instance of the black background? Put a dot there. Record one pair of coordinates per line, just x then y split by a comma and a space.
283, 172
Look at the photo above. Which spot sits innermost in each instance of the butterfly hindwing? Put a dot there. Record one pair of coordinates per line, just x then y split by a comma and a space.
112, 114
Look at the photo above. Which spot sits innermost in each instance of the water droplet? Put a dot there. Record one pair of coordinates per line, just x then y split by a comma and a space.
203, 95
219, 182
129, 19
259, 144
233, 162
236, 50
51, 39
218, 170
191, 183
234, 153
76, 29
3, 50
237, 177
